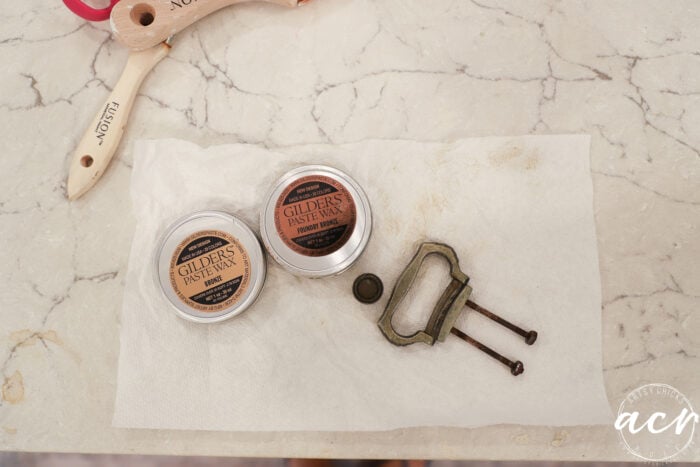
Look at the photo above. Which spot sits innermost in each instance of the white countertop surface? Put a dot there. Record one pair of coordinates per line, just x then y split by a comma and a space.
626, 72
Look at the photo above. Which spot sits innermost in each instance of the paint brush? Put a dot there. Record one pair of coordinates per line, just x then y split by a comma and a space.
140, 24
102, 137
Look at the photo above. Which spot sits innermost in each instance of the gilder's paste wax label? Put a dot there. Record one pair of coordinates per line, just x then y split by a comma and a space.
210, 271
315, 215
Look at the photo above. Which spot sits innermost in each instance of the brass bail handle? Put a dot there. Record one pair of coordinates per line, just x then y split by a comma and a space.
453, 301
446, 311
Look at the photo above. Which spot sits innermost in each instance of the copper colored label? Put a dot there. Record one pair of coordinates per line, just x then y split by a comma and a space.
210, 271
315, 215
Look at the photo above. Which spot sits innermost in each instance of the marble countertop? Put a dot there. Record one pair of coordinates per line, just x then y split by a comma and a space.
625, 72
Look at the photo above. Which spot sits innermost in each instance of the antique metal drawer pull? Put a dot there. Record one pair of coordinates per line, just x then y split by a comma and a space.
448, 308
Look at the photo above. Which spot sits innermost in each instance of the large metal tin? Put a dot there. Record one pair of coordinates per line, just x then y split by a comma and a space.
316, 266
210, 221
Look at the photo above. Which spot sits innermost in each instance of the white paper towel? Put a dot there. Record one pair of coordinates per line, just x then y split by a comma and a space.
307, 356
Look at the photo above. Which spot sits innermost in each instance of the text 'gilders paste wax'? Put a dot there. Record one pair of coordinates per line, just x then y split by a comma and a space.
210, 271
210, 266
316, 221
315, 215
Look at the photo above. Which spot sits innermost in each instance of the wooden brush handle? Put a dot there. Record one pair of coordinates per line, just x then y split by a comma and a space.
140, 24
102, 137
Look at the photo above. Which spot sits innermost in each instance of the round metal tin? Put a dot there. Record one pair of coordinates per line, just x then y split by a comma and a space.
317, 241
210, 266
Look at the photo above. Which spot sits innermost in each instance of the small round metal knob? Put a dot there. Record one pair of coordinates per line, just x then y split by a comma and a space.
367, 288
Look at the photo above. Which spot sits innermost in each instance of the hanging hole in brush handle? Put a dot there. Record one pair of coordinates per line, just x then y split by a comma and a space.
140, 24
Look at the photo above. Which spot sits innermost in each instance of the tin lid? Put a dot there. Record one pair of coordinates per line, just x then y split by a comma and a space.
316, 221
210, 266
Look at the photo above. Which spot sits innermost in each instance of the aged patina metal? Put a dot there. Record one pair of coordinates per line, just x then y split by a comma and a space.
367, 288
448, 308
530, 336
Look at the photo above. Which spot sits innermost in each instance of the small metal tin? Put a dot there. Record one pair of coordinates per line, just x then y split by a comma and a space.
316, 221
210, 266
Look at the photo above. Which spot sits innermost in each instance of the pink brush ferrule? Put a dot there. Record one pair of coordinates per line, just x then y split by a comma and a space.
87, 12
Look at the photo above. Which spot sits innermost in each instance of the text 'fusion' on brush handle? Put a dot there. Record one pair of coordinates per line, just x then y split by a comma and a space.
140, 24
102, 137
